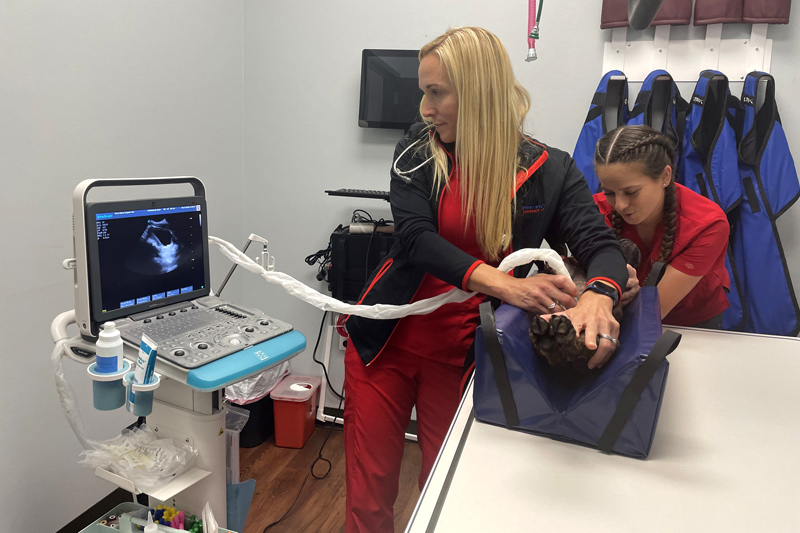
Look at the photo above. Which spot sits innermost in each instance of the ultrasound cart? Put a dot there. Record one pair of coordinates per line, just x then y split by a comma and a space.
144, 264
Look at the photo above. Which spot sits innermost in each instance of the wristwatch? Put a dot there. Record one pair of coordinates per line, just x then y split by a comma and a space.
604, 289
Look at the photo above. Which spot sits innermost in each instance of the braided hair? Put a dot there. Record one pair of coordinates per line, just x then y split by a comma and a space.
642, 144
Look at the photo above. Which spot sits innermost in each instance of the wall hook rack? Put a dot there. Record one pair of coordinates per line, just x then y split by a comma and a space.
685, 59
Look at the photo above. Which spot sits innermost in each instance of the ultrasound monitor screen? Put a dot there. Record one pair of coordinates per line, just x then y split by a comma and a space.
146, 254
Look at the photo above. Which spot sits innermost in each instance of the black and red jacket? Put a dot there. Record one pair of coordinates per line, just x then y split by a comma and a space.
553, 204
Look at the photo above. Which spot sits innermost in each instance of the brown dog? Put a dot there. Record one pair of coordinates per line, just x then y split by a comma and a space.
556, 340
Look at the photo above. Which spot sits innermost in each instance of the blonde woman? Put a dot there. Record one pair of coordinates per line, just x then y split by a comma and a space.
467, 188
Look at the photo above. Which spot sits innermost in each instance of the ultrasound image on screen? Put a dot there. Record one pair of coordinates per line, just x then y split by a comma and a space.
158, 251
149, 255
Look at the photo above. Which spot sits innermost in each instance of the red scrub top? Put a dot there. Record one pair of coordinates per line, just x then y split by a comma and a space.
446, 334
701, 241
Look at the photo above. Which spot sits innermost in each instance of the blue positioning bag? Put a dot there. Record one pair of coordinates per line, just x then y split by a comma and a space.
614, 409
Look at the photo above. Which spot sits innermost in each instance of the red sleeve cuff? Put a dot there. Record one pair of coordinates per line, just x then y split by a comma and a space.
469, 272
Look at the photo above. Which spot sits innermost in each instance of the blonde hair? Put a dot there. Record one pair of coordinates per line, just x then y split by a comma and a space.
492, 106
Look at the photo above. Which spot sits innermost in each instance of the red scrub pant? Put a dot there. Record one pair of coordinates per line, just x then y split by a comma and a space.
377, 409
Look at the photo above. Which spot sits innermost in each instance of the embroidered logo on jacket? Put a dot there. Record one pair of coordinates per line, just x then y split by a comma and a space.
530, 209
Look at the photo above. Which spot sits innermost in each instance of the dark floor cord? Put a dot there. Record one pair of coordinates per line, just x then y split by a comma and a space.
333, 424
311, 470
314, 357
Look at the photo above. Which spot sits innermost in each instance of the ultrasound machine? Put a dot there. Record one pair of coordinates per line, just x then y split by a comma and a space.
143, 264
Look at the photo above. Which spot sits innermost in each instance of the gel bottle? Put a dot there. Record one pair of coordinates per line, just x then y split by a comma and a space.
109, 349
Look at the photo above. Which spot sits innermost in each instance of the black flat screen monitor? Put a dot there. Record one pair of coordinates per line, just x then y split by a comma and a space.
390, 92
145, 254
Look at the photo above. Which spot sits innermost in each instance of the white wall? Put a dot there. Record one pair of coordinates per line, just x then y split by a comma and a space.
94, 89
258, 99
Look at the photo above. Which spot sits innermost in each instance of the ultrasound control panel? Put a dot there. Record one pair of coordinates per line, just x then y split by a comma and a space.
192, 334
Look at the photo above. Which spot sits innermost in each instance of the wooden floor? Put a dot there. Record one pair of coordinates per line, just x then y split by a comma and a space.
279, 472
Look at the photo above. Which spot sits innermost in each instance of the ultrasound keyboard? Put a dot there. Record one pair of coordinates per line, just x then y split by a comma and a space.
192, 334
360, 193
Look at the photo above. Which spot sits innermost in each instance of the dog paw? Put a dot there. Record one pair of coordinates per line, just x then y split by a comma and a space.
558, 342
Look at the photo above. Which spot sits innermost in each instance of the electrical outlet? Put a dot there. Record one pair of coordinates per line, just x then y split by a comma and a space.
342, 342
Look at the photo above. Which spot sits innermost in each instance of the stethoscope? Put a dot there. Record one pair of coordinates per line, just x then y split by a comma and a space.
404, 174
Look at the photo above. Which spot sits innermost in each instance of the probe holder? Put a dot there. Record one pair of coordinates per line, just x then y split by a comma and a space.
142, 404
108, 391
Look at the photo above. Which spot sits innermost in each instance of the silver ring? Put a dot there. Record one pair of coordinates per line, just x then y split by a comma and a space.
609, 337
551, 306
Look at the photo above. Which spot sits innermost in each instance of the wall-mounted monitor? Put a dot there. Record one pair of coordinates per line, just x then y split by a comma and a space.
390, 92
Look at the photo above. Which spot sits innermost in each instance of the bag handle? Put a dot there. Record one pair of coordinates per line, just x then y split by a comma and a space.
656, 274
492, 342
665, 345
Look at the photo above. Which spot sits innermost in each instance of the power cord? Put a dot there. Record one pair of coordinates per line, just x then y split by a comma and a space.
366, 218
322, 258
320, 363
310, 472
330, 431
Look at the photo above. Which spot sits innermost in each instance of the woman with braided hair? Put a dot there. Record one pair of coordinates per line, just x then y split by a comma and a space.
669, 223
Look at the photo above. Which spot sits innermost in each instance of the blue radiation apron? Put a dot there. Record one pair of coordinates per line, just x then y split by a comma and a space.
770, 183
660, 106
709, 166
608, 110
